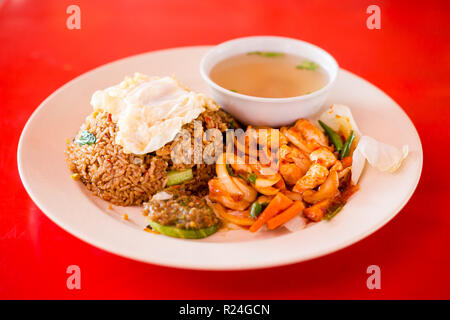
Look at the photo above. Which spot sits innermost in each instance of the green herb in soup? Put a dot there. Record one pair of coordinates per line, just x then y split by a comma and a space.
269, 74
268, 54
308, 65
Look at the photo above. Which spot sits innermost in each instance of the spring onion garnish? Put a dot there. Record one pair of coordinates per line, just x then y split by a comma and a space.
307, 65
268, 54
252, 177
86, 138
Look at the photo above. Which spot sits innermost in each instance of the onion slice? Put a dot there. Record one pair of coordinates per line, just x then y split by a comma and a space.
225, 179
250, 194
267, 181
296, 223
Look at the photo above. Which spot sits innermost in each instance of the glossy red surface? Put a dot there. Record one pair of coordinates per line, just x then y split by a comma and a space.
409, 58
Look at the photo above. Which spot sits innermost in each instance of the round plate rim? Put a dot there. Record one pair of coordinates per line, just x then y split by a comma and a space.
192, 264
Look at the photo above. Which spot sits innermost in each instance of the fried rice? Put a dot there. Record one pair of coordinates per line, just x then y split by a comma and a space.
129, 179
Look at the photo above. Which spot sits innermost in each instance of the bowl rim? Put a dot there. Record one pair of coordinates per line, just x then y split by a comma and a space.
324, 89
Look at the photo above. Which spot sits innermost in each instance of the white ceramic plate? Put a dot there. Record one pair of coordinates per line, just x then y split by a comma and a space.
47, 179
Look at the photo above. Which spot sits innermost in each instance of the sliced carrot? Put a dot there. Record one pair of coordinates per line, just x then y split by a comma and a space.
276, 205
347, 162
286, 215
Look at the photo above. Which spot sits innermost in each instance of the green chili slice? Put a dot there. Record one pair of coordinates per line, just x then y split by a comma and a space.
86, 138
333, 135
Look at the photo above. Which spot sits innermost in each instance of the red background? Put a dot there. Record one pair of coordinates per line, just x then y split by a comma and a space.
408, 58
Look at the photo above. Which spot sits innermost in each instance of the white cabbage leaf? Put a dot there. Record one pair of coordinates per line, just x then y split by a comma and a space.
382, 156
339, 118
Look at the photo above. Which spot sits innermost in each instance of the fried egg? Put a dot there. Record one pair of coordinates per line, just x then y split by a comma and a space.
149, 111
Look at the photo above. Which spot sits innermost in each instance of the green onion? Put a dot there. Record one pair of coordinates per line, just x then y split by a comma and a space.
178, 177
269, 54
86, 138
332, 212
252, 177
273, 54
307, 65
255, 209
347, 145
233, 90
334, 136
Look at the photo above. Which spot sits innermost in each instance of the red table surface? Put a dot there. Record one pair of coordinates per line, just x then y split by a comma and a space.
408, 58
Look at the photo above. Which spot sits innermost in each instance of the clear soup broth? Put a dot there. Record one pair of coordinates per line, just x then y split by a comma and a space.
269, 75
